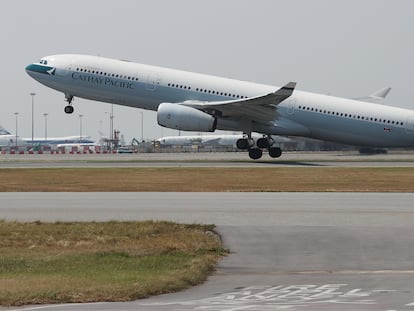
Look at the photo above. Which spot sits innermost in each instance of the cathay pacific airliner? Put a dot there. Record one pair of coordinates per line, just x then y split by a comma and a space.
190, 101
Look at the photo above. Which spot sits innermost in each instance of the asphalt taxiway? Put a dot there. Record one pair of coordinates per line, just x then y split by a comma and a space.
207, 159
289, 251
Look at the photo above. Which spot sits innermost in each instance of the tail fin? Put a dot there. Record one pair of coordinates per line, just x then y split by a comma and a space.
3, 131
376, 97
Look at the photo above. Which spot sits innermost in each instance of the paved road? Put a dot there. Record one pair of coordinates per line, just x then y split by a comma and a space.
206, 159
289, 251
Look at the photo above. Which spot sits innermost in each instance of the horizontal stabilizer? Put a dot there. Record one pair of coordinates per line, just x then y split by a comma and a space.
376, 97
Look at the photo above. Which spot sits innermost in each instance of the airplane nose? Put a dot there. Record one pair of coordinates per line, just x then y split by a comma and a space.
31, 70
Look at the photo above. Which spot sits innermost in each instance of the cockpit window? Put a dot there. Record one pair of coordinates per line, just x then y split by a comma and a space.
43, 61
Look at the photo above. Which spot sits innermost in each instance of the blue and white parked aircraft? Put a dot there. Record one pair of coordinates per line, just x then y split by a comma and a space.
8, 139
194, 102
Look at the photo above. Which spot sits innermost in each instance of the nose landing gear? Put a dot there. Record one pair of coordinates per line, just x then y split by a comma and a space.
69, 108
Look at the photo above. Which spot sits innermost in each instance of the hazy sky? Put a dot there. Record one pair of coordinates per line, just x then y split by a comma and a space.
347, 48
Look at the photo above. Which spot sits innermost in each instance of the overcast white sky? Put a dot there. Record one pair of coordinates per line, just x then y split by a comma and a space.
347, 48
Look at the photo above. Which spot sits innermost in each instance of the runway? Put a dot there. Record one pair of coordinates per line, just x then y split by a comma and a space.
289, 251
208, 159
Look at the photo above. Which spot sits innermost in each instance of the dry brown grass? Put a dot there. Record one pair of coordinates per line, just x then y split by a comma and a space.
209, 179
110, 261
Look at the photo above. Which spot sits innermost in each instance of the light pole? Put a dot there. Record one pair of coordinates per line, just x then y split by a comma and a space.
142, 126
16, 114
109, 114
112, 121
33, 95
45, 115
80, 128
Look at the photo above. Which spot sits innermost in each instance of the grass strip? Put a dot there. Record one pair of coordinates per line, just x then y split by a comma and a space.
301, 179
102, 261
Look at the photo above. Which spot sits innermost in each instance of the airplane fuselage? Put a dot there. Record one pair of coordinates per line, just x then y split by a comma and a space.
302, 114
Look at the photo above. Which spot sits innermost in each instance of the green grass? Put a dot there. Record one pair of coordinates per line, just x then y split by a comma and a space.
112, 261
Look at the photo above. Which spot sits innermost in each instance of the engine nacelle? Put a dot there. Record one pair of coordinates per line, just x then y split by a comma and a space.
179, 117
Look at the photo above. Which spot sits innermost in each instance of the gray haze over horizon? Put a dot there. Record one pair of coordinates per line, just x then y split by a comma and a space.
343, 48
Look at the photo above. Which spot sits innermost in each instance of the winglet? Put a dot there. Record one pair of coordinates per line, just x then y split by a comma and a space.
286, 90
289, 86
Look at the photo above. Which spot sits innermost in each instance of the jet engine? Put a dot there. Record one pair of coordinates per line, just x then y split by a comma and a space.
179, 117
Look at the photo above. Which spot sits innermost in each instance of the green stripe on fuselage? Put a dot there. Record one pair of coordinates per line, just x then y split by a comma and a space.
40, 69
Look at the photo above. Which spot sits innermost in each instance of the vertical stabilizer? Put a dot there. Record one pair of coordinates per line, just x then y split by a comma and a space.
376, 97
3, 131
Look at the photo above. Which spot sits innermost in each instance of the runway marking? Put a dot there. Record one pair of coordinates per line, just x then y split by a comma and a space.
318, 272
279, 297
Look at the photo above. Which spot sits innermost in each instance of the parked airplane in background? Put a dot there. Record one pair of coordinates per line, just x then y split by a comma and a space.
212, 140
82, 144
194, 102
61, 140
9, 140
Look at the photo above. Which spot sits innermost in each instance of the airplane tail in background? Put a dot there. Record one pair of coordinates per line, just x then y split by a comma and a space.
377, 97
3, 131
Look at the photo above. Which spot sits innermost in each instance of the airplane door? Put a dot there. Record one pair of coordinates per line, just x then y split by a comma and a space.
153, 80
409, 126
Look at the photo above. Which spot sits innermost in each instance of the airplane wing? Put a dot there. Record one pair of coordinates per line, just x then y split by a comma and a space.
261, 108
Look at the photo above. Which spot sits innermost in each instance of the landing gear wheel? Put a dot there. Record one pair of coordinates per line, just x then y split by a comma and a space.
242, 144
255, 153
262, 143
275, 152
69, 109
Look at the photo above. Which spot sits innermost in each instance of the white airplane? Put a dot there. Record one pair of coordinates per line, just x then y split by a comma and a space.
9, 140
61, 140
81, 145
194, 102
212, 140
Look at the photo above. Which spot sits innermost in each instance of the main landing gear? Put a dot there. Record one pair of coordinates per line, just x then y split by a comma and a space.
255, 153
69, 108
